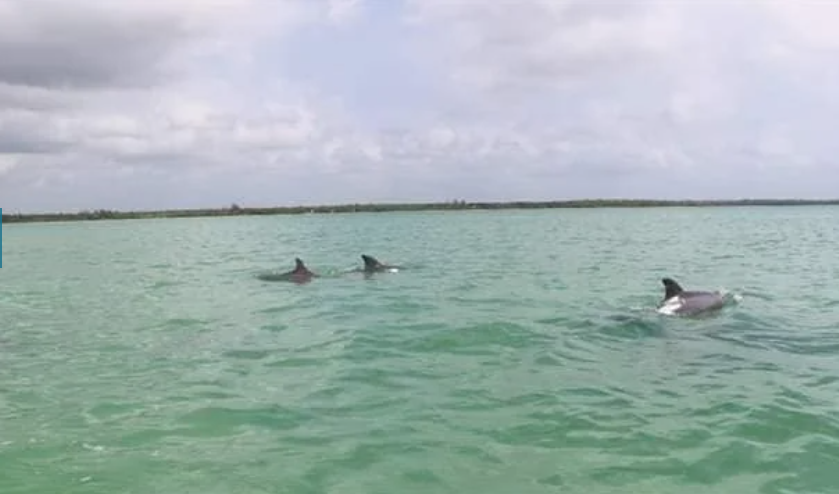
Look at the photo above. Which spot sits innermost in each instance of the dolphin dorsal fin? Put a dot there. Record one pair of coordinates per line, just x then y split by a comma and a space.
370, 262
671, 288
299, 267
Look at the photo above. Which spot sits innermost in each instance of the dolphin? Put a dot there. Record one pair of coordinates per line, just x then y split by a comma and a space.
300, 274
677, 301
372, 265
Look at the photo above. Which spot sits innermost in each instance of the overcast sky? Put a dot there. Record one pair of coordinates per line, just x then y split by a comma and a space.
151, 104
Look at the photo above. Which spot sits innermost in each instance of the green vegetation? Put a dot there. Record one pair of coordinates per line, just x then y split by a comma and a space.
236, 210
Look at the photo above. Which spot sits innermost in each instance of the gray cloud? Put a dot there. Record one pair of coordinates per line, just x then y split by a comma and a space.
16, 97
96, 83
53, 44
23, 132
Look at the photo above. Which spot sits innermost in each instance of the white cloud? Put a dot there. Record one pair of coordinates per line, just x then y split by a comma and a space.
547, 44
341, 11
661, 81
809, 25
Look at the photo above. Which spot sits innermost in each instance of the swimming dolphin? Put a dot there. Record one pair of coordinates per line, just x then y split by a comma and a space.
677, 301
372, 265
300, 274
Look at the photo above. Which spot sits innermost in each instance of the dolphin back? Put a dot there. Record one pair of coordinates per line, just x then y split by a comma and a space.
274, 276
691, 303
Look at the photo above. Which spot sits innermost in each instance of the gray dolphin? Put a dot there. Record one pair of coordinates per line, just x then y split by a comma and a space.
300, 274
677, 301
372, 265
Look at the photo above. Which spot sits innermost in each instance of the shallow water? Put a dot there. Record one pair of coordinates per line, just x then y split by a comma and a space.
518, 352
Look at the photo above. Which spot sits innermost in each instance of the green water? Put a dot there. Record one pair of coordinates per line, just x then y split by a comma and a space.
518, 353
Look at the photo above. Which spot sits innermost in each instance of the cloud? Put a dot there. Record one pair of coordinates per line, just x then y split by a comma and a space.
101, 87
546, 44
182, 103
45, 45
646, 85
341, 11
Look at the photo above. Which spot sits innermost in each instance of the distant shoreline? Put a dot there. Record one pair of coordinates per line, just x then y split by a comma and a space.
235, 210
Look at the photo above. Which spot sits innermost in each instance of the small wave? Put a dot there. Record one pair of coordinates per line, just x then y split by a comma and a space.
247, 354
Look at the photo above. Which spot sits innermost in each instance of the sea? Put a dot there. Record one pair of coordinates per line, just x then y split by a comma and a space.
513, 352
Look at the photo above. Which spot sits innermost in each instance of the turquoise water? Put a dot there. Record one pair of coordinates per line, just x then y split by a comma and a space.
518, 352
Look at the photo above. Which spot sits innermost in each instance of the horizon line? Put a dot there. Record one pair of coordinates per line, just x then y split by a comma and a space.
234, 209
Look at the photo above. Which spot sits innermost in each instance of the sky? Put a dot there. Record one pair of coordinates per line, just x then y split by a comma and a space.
162, 104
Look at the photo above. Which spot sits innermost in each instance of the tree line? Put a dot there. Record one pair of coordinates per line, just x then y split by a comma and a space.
236, 210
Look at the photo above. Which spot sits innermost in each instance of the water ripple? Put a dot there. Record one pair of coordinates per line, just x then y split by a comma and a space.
519, 353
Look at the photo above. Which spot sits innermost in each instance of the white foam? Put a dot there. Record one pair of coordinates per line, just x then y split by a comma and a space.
670, 306
730, 295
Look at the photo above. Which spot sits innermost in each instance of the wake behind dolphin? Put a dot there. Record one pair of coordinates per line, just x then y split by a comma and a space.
300, 274
677, 301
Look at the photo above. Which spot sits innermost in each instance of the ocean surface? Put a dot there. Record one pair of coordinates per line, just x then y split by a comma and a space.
517, 352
